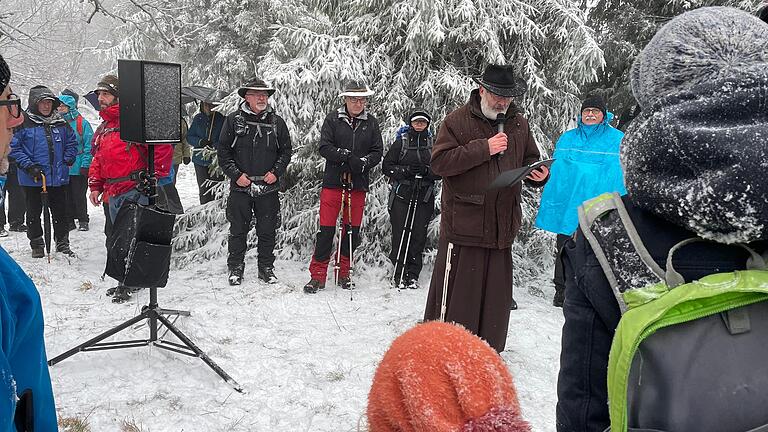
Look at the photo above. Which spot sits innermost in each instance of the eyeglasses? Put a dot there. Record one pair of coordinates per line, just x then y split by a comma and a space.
357, 100
593, 111
13, 103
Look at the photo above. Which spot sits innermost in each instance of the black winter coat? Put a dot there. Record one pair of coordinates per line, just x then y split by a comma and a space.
266, 147
592, 313
361, 136
399, 166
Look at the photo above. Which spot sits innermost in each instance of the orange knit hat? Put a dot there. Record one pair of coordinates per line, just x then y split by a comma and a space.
438, 377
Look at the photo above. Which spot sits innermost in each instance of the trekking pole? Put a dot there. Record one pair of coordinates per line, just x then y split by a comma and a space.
46, 217
443, 303
410, 226
400, 259
337, 260
349, 236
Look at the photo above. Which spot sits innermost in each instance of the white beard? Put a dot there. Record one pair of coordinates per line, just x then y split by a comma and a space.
490, 112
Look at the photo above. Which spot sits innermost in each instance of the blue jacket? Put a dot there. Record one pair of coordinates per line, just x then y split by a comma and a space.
30, 146
586, 165
23, 362
83, 159
201, 126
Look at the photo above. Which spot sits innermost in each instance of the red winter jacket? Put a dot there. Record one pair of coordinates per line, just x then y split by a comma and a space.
114, 158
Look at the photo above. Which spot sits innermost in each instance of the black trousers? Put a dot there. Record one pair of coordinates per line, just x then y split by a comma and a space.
559, 278
202, 174
241, 209
77, 201
418, 237
57, 203
17, 206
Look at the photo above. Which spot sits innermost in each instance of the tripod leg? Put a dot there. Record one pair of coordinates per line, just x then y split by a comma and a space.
85, 345
204, 357
337, 260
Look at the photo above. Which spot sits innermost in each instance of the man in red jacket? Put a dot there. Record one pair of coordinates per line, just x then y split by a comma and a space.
116, 165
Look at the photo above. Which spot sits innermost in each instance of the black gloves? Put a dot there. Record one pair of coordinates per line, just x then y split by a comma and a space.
205, 142
186, 160
343, 154
356, 164
35, 172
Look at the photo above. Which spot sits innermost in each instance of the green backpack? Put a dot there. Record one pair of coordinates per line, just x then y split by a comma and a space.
686, 356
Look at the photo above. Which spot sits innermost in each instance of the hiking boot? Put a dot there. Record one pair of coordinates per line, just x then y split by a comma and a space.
18, 228
3, 232
559, 297
236, 274
412, 283
346, 283
313, 286
121, 294
513, 306
71, 225
63, 248
268, 275
38, 252
83, 226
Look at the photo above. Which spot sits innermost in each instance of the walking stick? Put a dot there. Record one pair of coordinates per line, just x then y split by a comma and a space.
349, 236
402, 259
443, 303
337, 263
46, 218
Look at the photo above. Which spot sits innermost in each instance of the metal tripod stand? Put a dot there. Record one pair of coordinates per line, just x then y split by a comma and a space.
153, 313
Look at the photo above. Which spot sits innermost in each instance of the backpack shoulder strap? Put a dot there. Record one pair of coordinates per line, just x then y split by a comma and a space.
626, 262
79, 122
403, 147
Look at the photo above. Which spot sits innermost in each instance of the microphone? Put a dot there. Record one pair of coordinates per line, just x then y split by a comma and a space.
500, 120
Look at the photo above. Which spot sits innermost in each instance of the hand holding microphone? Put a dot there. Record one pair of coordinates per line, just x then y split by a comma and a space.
497, 144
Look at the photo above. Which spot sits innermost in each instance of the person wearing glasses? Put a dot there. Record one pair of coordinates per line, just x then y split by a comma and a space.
25, 384
254, 151
586, 165
351, 143
45, 145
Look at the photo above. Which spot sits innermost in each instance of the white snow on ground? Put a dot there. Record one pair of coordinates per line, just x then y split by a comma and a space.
306, 361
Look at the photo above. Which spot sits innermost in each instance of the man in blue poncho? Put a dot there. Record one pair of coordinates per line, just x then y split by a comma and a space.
586, 165
26, 398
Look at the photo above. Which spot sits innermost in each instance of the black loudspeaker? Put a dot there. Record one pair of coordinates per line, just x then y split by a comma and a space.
139, 248
150, 101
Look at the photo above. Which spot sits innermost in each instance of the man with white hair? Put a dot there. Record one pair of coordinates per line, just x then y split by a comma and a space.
476, 143
351, 143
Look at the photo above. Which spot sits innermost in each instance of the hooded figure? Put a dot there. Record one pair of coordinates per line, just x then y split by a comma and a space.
694, 163
45, 145
77, 204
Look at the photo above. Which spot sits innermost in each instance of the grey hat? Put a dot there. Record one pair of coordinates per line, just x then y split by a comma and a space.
698, 47
109, 84
696, 155
355, 88
257, 84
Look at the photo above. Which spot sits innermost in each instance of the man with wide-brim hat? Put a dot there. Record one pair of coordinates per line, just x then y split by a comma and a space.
254, 151
477, 224
350, 142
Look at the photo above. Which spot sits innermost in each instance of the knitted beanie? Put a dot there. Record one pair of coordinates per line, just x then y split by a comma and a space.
697, 155
438, 377
110, 84
594, 102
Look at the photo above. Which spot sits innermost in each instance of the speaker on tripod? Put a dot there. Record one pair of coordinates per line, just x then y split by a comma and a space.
139, 249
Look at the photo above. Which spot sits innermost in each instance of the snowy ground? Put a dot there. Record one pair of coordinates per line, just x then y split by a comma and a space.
305, 361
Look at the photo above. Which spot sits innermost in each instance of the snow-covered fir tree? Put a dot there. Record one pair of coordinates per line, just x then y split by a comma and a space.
416, 53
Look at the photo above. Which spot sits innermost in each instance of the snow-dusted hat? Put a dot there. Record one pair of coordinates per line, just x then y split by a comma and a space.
501, 80
255, 83
40, 93
5, 74
419, 114
438, 377
594, 102
109, 84
356, 88
696, 155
